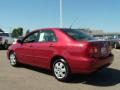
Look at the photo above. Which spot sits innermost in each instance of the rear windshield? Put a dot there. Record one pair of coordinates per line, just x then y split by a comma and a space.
76, 34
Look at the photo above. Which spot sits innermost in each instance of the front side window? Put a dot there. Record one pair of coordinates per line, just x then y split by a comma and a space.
32, 38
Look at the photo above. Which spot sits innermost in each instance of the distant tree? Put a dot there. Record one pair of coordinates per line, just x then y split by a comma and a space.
27, 32
20, 31
17, 32
14, 33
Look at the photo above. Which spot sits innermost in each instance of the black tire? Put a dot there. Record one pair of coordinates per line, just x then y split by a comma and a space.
13, 59
61, 70
6, 45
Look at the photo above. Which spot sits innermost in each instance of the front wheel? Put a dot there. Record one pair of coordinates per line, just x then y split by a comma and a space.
13, 59
61, 70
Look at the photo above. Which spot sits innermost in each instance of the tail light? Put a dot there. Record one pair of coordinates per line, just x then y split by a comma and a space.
93, 51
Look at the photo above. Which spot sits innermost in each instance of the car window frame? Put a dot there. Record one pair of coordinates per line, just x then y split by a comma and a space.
30, 35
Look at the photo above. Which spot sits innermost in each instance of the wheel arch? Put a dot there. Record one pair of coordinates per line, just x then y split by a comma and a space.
10, 53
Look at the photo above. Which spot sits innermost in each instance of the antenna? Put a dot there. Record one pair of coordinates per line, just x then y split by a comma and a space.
73, 22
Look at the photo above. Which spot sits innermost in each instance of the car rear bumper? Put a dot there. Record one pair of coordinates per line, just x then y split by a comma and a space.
89, 65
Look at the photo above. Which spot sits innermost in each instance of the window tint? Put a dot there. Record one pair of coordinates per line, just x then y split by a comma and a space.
77, 34
47, 36
32, 38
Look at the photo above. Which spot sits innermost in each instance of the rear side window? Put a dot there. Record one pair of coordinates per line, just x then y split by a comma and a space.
76, 34
47, 36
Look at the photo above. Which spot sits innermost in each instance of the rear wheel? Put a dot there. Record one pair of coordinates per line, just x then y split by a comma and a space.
61, 70
13, 59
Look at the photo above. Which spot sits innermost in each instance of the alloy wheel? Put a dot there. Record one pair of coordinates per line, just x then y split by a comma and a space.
13, 61
60, 70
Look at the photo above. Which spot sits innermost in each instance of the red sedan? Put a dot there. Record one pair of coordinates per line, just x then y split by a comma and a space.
63, 51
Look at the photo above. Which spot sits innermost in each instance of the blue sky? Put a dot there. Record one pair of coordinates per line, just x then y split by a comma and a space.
34, 14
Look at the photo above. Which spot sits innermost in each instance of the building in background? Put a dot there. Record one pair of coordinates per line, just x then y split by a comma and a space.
99, 32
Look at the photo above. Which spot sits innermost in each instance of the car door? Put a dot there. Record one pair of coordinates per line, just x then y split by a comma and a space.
44, 48
25, 51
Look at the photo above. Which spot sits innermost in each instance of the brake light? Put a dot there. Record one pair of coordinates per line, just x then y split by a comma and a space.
93, 51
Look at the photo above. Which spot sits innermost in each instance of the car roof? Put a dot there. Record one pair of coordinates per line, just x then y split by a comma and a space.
60, 29
51, 29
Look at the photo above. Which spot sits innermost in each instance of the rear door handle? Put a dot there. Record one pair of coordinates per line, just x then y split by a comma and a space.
51, 45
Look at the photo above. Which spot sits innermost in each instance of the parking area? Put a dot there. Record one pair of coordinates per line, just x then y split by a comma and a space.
31, 78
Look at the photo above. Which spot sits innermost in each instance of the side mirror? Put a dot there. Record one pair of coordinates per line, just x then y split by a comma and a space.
19, 41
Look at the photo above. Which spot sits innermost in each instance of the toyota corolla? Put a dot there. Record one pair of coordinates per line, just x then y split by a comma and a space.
64, 51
